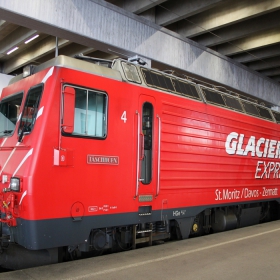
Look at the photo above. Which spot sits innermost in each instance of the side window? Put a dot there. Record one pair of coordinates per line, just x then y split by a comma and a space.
30, 109
147, 131
90, 113
9, 113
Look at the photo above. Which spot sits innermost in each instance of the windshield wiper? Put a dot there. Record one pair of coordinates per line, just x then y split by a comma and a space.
24, 129
6, 131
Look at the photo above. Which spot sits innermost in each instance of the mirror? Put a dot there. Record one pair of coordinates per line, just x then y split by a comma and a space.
68, 109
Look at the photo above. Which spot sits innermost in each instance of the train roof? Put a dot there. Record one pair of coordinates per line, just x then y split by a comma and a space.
191, 88
72, 63
137, 73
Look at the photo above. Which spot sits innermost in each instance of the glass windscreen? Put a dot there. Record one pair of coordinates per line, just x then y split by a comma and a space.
30, 109
131, 73
9, 112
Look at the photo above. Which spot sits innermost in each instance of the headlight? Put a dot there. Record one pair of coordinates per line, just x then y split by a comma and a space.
15, 184
28, 70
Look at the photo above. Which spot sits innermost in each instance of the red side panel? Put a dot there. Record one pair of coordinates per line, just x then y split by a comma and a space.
208, 155
196, 162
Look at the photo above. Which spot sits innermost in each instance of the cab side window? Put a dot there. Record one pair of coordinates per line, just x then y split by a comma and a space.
90, 113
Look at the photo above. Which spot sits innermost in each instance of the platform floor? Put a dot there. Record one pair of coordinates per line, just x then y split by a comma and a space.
247, 253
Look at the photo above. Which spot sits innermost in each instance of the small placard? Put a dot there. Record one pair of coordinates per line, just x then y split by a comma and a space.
97, 159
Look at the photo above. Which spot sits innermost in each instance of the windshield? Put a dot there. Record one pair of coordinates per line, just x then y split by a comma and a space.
9, 112
30, 109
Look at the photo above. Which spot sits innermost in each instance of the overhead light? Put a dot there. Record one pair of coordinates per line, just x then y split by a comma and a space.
31, 39
12, 50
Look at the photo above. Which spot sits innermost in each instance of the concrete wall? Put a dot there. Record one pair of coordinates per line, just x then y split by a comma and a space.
98, 24
4, 80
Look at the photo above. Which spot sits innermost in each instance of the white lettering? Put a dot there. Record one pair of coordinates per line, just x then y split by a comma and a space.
250, 193
123, 117
231, 194
250, 147
176, 213
276, 170
231, 143
258, 169
265, 147
271, 149
235, 144
271, 168
242, 193
265, 169
260, 141
240, 151
277, 152
269, 192
218, 195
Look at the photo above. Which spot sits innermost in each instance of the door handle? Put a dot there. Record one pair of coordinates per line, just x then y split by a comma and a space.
142, 143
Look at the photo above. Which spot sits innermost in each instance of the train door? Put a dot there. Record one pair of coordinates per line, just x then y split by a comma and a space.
147, 149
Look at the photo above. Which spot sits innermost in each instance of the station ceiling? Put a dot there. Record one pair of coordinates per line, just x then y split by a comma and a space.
247, 31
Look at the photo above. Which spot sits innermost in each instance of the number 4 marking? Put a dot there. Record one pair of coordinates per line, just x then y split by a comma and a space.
123, 117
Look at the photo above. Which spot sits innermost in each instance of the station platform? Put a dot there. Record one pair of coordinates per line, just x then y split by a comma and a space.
247, 253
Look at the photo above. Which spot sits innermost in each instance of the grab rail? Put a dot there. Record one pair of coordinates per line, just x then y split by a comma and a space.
158, 162
138, 152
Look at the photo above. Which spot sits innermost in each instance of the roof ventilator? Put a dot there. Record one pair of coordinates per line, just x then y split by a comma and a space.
137, 60
98, 61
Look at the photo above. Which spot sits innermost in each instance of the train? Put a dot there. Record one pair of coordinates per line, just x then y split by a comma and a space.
101, 156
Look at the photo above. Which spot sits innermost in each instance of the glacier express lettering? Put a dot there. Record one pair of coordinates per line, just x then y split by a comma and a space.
262, 148
267, 170
256, 147
249, 193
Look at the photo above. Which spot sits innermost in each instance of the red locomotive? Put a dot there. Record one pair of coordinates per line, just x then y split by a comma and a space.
103, 157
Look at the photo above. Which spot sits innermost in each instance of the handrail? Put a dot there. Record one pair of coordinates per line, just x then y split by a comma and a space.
138, 151
158, 163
